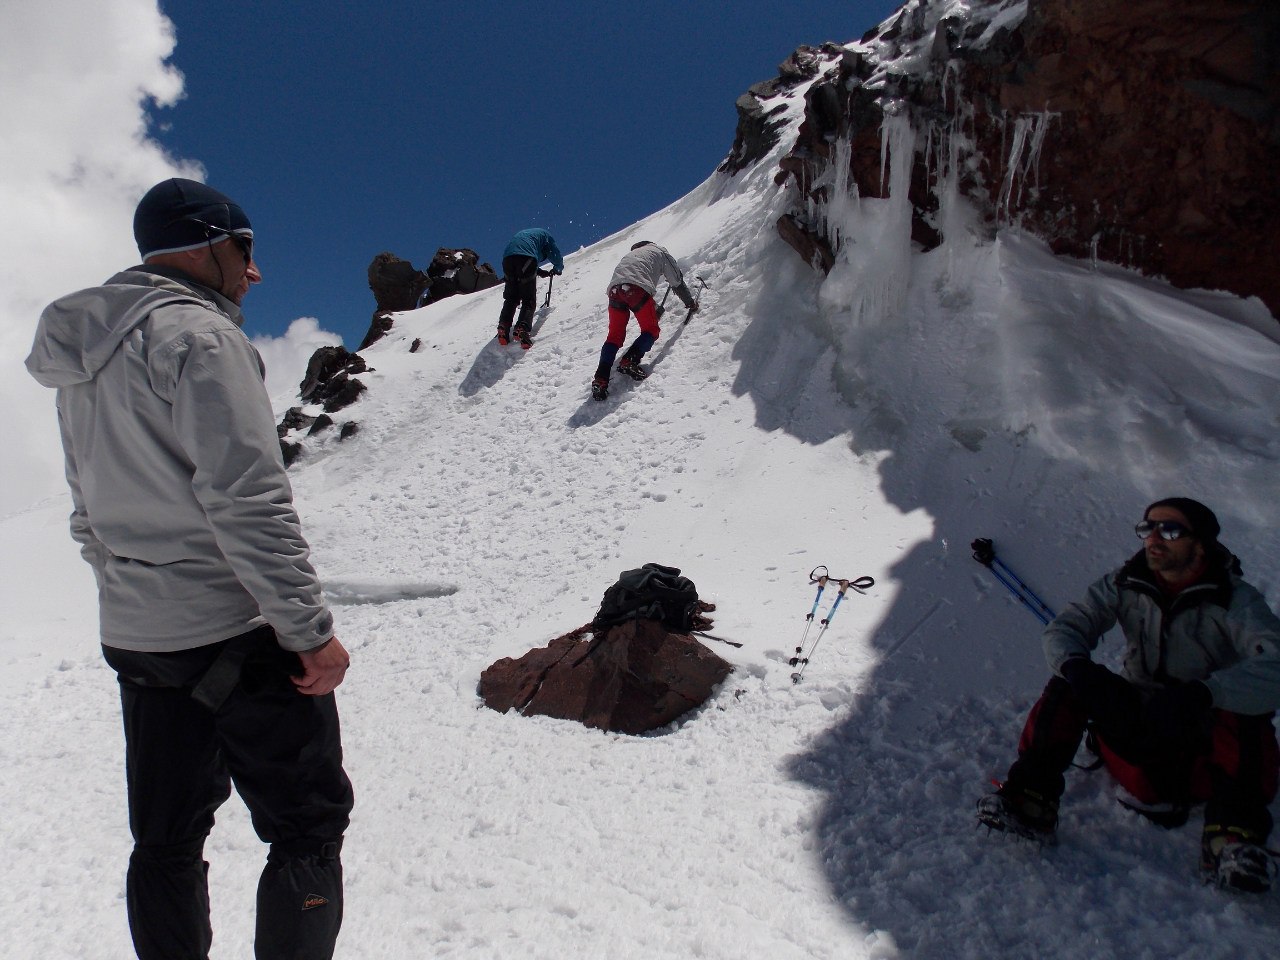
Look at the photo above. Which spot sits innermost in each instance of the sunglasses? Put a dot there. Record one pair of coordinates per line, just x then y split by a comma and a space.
243, 244
1169, 529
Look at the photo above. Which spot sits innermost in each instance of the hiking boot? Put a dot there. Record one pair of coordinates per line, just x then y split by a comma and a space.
632, 368
521, 335
1235, 860
504, 335
1022, 812
599, 388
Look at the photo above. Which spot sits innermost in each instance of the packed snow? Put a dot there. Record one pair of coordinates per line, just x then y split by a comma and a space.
874, 421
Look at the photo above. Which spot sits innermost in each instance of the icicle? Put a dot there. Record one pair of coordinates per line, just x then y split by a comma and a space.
1028, 134
1039, 129
884, 151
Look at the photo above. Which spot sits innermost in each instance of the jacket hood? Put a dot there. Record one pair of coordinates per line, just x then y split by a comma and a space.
78, 333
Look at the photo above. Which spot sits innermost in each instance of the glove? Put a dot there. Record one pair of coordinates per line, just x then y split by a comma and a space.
1179, 714
659, 310
693, 309
1098, 688
557, 272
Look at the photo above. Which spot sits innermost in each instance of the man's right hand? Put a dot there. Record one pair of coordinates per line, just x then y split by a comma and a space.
1097, 687
324, 668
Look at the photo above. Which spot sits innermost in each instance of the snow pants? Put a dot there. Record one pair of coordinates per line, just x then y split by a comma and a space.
625, 299
520, 274
1233, 767
283, 752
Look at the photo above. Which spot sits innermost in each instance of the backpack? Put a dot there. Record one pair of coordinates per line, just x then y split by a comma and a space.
653, 592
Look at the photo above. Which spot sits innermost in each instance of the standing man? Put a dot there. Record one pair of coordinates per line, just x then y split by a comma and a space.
632, 288
520, 261
210, 612
1188, 718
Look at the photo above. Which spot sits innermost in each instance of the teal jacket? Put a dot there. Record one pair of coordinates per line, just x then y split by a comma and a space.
537, 243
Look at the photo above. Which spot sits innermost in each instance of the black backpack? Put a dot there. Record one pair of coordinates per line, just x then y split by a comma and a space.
653, 592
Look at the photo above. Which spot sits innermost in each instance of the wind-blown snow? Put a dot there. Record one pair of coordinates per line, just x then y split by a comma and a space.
876, 421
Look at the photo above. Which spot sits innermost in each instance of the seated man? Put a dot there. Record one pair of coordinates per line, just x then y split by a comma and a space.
1189, 717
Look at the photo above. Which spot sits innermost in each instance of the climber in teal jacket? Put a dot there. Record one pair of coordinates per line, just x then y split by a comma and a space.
525, 252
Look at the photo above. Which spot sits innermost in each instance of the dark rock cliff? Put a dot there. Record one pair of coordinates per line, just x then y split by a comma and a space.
1145, 134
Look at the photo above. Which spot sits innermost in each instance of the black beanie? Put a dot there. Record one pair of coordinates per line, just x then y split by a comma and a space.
165, 221
1203, 523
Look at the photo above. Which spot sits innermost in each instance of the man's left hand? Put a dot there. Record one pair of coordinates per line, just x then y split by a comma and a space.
323, 668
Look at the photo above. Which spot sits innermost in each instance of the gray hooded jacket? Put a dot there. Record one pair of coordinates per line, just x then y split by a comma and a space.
645, 266
1220, 631
182, 505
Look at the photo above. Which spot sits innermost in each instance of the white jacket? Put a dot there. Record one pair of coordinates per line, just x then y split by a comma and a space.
645, 267
182, 505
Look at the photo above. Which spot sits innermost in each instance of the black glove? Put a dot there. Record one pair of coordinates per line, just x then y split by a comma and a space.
1179, 714
1097, 687
557, 272
693, 308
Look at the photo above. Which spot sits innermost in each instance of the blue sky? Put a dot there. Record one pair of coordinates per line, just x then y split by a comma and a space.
346, 129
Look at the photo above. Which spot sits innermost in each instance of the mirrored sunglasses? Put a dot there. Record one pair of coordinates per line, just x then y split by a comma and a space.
1168, 529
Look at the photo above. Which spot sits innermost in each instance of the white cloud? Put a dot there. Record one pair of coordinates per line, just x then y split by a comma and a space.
286, 357
74, 159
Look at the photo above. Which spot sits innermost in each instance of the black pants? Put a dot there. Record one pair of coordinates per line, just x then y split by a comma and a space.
283, 752
521, 276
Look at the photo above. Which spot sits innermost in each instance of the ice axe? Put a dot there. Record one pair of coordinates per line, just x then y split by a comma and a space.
702, 285
551, 279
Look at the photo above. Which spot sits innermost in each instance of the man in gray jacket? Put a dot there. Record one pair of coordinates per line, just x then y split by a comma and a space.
211, 613
1188, 718
632, 289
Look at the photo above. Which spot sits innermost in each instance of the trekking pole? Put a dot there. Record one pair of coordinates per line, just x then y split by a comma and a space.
984, 552
821, 581
661, 308
702, 285
858, 586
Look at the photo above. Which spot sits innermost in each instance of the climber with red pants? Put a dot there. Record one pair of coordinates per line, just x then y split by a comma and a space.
631, 290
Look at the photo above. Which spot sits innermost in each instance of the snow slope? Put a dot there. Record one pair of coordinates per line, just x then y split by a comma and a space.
875, 422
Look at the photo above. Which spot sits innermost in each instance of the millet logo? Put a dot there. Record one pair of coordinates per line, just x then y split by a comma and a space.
313, 900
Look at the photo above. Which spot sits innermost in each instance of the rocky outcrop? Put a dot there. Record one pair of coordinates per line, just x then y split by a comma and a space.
1145, 134
631, 678
330, 379
758, 124
458, 271
296, 419
330, 383
398, 286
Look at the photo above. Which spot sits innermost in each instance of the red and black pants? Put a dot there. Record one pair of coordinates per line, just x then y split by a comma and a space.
1233, 767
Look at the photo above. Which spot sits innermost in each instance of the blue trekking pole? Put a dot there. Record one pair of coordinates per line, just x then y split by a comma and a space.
984, 552
822, 579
